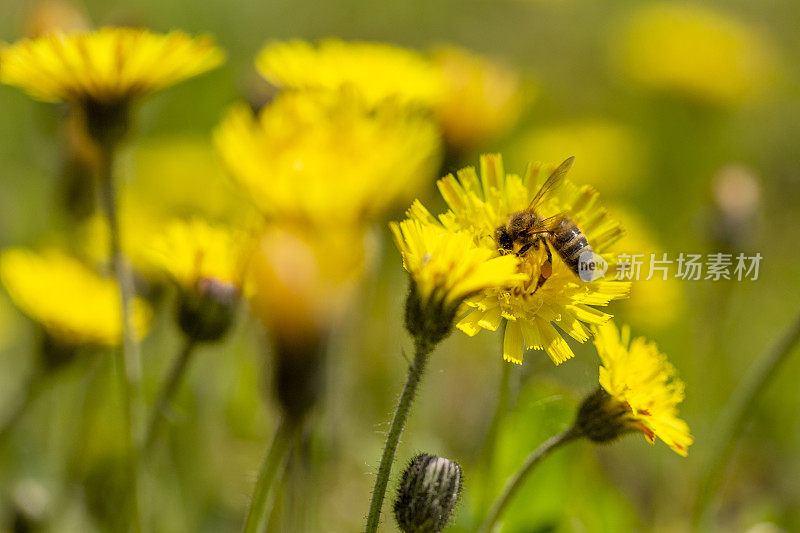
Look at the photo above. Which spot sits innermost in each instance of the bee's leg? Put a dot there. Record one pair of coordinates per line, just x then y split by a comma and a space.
546, 269
527, 247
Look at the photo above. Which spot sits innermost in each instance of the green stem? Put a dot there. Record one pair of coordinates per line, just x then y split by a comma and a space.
490, 443
33, 387
501, 408
737, 411
167, 393
393, 438
269, 468
516, 481
127, 361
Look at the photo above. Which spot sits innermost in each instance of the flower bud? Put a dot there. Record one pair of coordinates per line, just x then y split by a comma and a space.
55, 353
428, 321
427, 495
299, 375
206, 313
106, 123
603, 418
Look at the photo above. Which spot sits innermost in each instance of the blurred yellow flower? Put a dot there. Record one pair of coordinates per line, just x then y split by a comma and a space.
376, 71
639, 377
192, 250
107, 66
695, 51
479, 205
70, 301
304, 280
482, 98
325, 158
46, 16
607, 154
447, 267
655, 302
182, 176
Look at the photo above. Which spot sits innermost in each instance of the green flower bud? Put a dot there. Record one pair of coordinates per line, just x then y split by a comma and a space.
427, 495
602, 418
206, 313
55, 353
428, 321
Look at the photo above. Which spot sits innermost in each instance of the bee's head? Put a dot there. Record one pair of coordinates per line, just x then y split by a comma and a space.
503, 239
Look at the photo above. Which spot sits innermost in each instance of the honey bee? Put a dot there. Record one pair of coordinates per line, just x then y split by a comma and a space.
525, 230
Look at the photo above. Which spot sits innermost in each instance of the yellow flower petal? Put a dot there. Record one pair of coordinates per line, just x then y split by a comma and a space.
107, 65
71, 302
479, 204
637, 375
376, 71
322, 158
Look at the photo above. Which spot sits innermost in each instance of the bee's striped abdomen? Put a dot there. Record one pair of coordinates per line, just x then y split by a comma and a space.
569, 242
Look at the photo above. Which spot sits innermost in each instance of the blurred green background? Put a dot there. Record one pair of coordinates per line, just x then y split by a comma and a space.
658, 153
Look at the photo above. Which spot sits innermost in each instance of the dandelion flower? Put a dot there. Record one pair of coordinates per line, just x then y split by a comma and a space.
640, 389
447, 267
189, 251
326, 158
207, 262
478, 206
376, 71
697, 52
182, 176
108, 66
46, 16
71, 302
302, 282
482, 98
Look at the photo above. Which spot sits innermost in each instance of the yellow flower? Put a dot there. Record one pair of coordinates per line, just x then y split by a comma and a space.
107, 66
47, 16
607, 154
447, 267
376, 71
194, 250
639, 377
71, 302
482, 98
181, 176
697, 52
326, 158
479, 206
304, 280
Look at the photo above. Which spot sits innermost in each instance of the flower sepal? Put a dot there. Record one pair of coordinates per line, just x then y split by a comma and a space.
602, 418
428, 320
206, 313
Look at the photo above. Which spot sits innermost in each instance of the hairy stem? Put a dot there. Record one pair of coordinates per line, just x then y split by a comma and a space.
516, 481
393, 438
127, 361
269, 468
167, 393
737, 411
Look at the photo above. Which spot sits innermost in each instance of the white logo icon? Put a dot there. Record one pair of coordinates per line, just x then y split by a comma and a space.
591, 266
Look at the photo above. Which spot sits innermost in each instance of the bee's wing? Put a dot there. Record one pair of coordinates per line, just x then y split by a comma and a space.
552, 182
547, 225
